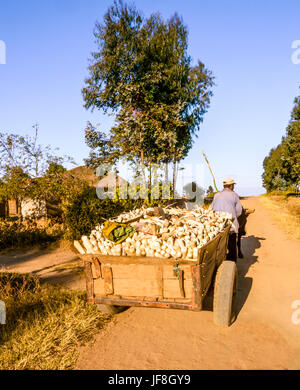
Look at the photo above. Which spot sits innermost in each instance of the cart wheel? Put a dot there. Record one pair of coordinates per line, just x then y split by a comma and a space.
111, 309
224, 293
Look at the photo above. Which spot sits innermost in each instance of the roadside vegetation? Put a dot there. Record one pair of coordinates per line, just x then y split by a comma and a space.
22, 234
285, 209
45, 324
282, 165
281, 177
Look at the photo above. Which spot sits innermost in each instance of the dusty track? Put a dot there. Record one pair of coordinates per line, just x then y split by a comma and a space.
54, 266
263, 336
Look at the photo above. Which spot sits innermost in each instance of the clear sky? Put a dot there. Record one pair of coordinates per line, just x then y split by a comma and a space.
246, 44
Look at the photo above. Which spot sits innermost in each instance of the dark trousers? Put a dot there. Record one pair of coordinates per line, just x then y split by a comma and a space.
232, 248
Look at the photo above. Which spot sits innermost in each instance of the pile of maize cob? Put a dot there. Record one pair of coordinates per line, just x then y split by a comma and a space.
175, 233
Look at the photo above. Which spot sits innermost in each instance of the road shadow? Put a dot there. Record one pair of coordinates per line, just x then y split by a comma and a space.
65, 279
13, 258
249, 246
21, 257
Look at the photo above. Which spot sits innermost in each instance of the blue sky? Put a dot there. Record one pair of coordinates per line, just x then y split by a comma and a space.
246, 44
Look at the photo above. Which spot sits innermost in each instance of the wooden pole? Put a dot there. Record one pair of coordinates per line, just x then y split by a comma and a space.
210, 171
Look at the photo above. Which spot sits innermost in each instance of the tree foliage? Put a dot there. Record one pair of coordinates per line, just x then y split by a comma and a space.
84, 210
28, 169
282, 165
143, 75
26, 153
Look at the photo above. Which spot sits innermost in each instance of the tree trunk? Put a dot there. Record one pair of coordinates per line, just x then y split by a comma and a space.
150, 180
143, 162
174, 177
19, 211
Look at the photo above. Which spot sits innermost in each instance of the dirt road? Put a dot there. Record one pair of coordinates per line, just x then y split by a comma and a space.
263, 336
57, 266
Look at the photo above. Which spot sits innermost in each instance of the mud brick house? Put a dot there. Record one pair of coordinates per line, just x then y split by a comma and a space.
27, 207
34, 208
10, 208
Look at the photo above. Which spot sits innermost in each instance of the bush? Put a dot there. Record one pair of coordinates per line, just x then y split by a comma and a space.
85, 210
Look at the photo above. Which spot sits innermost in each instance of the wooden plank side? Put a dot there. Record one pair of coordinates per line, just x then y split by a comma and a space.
108, 281
172, 288
99, 287
134, 271
144, 280
222, 249
137, 287
168, 272
99, 292
212, 245
183, 300
106, 259
89, 282
148, 289
97, 268
138, 271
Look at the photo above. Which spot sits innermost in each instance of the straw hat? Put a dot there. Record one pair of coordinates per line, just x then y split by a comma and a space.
228, 181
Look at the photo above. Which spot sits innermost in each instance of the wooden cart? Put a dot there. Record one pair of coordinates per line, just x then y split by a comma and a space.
115, 282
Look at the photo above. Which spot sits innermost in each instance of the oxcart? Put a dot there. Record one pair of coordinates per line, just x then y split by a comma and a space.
115, 282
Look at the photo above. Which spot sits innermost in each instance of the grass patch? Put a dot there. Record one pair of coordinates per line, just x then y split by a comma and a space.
44, 324
286, 211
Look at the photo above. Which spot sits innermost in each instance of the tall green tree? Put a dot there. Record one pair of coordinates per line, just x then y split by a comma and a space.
142, 74
282, 165
292, 144
274, 178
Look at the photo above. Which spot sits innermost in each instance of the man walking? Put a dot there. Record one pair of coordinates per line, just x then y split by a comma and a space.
229, 201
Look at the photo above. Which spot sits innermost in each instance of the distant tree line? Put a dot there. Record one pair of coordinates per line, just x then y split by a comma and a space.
282, 165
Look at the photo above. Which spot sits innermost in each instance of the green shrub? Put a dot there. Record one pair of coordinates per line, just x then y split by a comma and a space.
85, 210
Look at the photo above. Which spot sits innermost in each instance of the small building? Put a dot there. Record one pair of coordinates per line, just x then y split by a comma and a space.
39, 208
33, 208
10, 208
2, 209
14, 208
